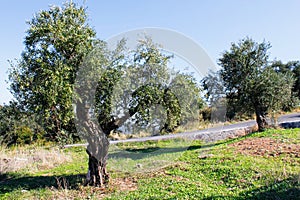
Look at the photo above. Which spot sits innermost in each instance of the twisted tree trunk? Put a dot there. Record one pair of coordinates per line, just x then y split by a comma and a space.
261, 120
97, 148
97, 151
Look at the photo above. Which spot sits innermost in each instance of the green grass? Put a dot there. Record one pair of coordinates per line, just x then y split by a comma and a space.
173, 169
225, 174
141, 157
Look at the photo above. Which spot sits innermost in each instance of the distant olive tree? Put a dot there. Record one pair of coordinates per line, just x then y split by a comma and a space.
251, 82
292, 68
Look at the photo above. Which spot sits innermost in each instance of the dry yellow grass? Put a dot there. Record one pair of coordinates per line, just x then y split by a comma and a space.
30, 159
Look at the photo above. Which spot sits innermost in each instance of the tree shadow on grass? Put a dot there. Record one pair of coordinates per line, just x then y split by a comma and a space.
140, 153
288, 189
9, 183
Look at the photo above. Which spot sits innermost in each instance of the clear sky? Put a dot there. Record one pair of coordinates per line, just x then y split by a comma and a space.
212, 24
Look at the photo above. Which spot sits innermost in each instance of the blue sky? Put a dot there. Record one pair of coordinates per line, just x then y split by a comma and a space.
212, 24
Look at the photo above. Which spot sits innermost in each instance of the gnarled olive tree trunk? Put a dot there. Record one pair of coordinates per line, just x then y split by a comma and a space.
97, 148
96, 133
97, 151
261, 120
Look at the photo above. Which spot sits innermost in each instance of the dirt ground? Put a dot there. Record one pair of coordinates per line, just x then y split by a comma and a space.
266, 147
125, 184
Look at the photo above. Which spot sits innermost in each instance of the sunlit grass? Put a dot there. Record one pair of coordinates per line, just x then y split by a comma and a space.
168, 169
141, 157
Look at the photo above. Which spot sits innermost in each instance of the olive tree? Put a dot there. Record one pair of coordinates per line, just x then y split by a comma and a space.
42, 80
65, 68
113, 93
291, 67
251, 82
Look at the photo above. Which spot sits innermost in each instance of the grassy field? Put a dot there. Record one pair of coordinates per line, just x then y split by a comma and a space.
260, 166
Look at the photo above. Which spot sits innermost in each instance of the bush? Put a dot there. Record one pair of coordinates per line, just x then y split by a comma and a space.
24, 135
19, 135
17, 127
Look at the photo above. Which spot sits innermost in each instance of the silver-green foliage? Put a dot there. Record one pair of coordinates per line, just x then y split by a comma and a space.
42, 80
250, 81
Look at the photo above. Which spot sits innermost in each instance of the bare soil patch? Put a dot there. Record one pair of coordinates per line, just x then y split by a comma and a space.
266, 147
90, 192
124, 184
